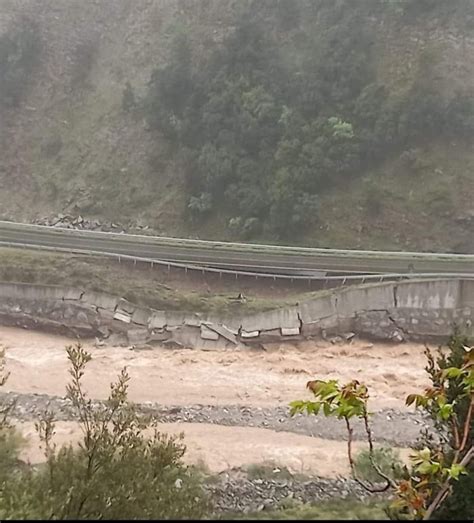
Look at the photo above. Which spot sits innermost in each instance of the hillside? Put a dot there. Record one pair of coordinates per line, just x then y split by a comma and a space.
335, 124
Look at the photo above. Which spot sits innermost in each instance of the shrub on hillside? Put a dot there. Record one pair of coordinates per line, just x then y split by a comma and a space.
19, 54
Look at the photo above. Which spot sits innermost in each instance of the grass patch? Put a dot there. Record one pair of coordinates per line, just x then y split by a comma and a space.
268, 471
141, 286
387, 459
340, 509
201, 471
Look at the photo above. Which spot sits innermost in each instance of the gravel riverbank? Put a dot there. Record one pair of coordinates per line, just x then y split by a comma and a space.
389, 426
235, 493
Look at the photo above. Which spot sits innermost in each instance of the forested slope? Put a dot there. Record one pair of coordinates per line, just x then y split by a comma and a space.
331, 123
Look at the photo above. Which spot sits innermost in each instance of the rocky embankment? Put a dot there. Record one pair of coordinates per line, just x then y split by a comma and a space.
68, 221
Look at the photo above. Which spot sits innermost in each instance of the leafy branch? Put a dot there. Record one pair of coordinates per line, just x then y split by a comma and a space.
344, 402
429, 481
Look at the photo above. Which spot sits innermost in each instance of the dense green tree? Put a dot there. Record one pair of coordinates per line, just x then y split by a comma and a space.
273, 121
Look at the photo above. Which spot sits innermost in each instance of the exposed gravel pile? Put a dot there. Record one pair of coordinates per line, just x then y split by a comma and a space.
396, 428
241, 494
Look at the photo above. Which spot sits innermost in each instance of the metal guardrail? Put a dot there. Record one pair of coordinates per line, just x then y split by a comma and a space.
321, 276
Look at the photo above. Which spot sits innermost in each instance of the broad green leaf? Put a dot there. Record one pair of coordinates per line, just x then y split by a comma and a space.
452, 372
455, 471
446, 411
313, 407
424, 468
468, 381
425, 454
326, 409
296, 407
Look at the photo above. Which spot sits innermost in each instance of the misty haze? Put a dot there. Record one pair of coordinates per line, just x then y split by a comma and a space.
233, 236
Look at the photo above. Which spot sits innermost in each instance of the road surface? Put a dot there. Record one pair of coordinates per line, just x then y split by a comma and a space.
235, 256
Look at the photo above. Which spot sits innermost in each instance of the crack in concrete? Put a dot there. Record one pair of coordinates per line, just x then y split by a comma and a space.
301, 321
389, 317
399, 327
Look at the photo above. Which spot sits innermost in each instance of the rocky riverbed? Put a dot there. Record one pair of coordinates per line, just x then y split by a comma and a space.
234, 492
389, 426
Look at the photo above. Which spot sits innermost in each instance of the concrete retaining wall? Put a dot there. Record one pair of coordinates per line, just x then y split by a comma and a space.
390, 311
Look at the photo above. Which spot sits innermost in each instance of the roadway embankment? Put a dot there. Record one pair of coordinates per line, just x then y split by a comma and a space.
270, 260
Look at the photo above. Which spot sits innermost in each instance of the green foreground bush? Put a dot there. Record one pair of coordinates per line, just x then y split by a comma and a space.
116, 472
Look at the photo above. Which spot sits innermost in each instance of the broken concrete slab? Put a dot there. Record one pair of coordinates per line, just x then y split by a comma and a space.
141, 316
122, 316
276, 319
313, 310
311, 329
208, 334
137, 336
98, 299
290, 331
247, 335
157, 320
223, 331
125, 306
